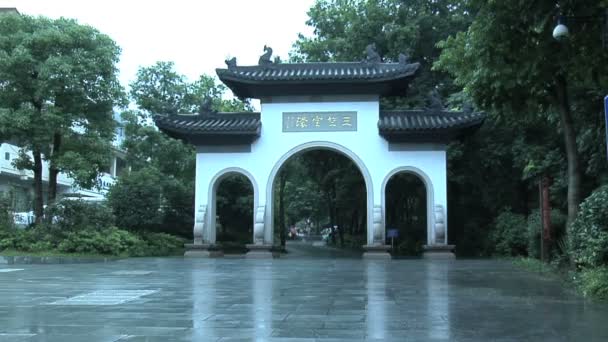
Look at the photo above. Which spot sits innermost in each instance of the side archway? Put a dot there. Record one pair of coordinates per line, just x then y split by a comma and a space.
211, 232
428, 184
318, 145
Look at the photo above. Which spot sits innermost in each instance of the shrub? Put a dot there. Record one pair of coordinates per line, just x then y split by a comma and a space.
73, 215
6, 218
112, 241
235, 236
354, 241
588, 234
410, 246
558, 222
594, 283
23, 239
158, 244
136, 199
509, 234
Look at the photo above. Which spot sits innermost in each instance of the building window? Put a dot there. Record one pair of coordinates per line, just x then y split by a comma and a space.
121, 165
7, 156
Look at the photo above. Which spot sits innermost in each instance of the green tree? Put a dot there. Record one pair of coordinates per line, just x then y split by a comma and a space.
343, 28
58, 85
510, 66
160, 89
136, 199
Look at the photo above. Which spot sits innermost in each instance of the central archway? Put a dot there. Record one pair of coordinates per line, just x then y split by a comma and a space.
318, 145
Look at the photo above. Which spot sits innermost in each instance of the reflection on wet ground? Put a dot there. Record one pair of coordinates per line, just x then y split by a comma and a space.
291, 299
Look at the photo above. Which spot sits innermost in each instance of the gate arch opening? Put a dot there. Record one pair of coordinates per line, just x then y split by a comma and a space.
214, 186
311, 146
404, 179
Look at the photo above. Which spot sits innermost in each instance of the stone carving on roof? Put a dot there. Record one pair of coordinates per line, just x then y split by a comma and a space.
231, 63
206, 106
265, 58
467, 107
434, 100
372, 54
403, 58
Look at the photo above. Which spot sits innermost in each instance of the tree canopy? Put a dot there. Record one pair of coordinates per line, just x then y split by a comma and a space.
542, 96
512, 67
58, 87
343, 28
160, 90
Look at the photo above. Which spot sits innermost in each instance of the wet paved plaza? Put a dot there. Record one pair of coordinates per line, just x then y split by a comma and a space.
177, 299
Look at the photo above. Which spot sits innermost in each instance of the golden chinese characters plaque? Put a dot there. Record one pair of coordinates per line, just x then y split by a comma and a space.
319, 121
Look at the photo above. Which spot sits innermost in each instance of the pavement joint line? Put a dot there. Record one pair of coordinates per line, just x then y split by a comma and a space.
133, 272
6, 270
105, 297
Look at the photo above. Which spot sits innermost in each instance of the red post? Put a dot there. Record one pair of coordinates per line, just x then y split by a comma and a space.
546, 217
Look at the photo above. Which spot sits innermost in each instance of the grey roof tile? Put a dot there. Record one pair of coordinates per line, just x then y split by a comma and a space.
322, 78
426, 120
210, 123
427, 125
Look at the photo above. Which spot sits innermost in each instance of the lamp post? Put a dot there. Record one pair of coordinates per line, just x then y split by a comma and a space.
562, 31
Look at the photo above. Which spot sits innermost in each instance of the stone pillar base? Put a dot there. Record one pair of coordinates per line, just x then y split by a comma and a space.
204, 250
259, 251
376, 252
438, 252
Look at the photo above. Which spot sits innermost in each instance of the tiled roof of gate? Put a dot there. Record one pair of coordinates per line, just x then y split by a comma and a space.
427, 125
318, 78
423, 120
211, 123
358, 71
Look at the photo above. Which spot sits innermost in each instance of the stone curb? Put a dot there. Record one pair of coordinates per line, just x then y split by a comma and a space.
25, 259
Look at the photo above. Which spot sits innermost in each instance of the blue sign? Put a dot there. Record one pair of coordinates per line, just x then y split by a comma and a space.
392, 233
606, 117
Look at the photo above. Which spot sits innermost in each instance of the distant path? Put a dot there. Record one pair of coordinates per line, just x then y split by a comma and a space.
305, 249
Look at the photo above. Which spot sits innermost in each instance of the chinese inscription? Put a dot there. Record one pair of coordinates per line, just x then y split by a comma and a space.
319, 121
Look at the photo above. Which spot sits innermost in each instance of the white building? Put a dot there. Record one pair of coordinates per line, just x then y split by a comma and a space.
19, 186
330, 106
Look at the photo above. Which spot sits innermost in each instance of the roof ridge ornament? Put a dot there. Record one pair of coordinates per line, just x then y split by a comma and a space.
231, 63
206, 106
372, 54
435, 102
404, 59
265, 58
467, 107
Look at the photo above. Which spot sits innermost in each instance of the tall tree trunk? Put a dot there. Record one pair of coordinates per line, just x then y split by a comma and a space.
282, 180
38, 199
53, 171
336, 216
574, 173
546, 218
332, 219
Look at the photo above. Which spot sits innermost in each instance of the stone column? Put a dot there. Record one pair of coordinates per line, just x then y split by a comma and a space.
438, 232
378, 249
259, 249
199, 224
204, 240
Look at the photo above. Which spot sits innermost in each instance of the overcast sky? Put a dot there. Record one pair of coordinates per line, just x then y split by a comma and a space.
197, 35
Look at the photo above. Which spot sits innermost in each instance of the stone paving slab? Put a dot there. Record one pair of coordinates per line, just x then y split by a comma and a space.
299, 300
